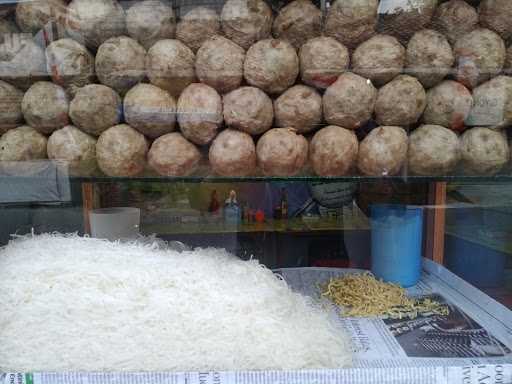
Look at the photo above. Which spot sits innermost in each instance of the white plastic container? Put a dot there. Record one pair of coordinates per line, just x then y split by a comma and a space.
115, 223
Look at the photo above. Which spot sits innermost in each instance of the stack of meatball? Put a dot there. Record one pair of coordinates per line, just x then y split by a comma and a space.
368, 87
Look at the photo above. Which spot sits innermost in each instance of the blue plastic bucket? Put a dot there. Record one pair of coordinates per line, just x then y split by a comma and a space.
397, 232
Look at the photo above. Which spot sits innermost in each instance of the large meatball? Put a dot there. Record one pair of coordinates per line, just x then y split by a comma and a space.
32, 16
45, 107
233, 153
448, 104
322, 60
120, 63
383, 151
173, 155
246, 21
454, 19
479, 56
121, 151
248, 109
22, 62
379, 59
70, 64
282, 152
95, 108
74, 147
429, 57
10, 107
22, 144
492, 106
433, 150
298, 22
484, 151
350, 101
496, 15
402, 18
170, 66
149, 21
220, 64
271, 65
150, 110
299, 107
199, 113
400, 102
92, 22
198, 25
333, 151
351, 22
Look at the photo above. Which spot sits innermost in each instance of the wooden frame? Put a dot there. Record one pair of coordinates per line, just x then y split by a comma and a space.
435, 222
89, 202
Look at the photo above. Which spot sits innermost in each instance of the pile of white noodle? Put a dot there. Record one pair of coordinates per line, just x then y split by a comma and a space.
73, 303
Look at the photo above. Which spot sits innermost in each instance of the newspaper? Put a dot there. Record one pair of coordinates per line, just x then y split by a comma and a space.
471, 345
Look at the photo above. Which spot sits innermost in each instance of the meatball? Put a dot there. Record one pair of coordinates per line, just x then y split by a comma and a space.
22, 62
95, 108
429, 57
121, 151
45, 107
233, 153
479, 56
120, 63
492, 107
149, 21
433, 150
300, 107
150, 110
350, 101
379, 59
92, 22
246, 21
455, 19
333, 151
351, 22
197, 26
298, 22
74, 147
272, 65
199, 113
170, 66
282, 152
70, 64
220, 64
383, 151
173, 155
448, 104
322, 60
32, 16
484, 151
496, 15
403, 18
22, 144
248, 109
10, 107
400, 102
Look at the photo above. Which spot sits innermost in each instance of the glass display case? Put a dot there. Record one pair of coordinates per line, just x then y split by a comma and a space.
255, 191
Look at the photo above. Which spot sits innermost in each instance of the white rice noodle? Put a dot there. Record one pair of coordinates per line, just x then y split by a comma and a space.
74, 303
